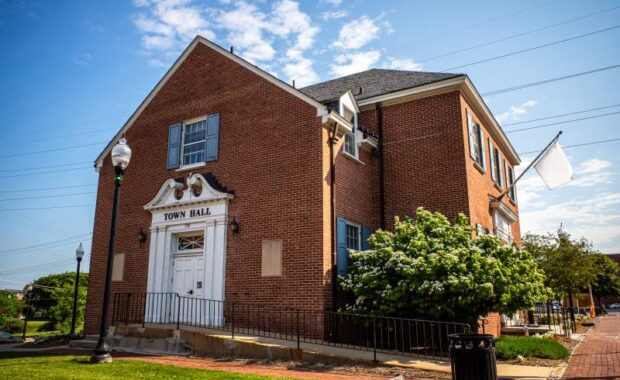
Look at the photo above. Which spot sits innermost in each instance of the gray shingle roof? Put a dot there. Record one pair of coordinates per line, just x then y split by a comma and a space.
373, 82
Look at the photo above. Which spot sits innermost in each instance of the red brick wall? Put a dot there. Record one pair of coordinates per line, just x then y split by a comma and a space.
480, 185
269, 153
424, 157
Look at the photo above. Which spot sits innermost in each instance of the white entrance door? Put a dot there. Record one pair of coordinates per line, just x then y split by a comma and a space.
188, 284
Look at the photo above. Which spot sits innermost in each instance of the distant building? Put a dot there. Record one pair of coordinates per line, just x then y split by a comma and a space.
232, 179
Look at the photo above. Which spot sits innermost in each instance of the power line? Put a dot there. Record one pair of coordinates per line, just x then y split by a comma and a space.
47, 188
36, 246
532, 48
52, 150
26, 283
560, 115
532, 84
58, 136
470, 26
562, 122
46, 208
577, 145
47, 172
515, 35
38, 267
46, 167
47, 196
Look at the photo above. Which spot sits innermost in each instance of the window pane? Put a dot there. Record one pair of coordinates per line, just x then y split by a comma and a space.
353, 237
194, 142
190, 242
349, 143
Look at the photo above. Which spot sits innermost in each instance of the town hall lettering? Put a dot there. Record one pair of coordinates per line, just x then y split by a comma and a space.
193, 213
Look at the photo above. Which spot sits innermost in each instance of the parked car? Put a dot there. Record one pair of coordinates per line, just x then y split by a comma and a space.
6, 337
614, 307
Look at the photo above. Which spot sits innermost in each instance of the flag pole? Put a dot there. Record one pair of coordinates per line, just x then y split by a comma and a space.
542, 152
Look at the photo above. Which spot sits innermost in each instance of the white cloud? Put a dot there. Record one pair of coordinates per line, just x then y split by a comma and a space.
402, 64
168, 25
335, 3
357, 33
592, 165
333, 15
516, 111
81, 59
245, 25
301, 71
350, 63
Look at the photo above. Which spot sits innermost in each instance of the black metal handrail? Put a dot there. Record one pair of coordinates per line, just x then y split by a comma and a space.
400, 336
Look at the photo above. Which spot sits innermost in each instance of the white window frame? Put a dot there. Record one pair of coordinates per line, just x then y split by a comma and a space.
510, 178
359, 236
477, 128
351, 135
182, 147
505, 236
196, 251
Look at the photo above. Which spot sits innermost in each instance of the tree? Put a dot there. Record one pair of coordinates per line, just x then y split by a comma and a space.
606, 280
54, 298
10, 305
429, 268
565, 262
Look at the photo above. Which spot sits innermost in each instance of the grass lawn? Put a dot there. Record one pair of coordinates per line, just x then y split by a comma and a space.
509, 347
39, 366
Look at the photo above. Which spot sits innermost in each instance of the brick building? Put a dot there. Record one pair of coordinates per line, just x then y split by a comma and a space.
251, 190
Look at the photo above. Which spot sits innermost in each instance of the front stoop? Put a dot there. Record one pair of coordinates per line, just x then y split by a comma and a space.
167, 340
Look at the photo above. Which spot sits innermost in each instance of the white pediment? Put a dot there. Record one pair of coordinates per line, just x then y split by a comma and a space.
174, 194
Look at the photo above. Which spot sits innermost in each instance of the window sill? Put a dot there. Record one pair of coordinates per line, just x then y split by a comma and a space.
480, 168
512, 201
498, 187
190, 167
353, 158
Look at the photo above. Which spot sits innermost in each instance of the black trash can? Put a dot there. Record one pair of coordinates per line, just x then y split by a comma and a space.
473, 357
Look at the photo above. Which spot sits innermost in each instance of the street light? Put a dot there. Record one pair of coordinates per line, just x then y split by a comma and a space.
79, 254
29, 289
121, 154
563, 236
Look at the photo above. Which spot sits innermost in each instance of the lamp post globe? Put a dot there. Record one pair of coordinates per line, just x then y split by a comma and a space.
79, 254
120, 155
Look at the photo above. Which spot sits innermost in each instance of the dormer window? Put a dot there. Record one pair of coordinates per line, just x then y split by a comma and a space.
350, 143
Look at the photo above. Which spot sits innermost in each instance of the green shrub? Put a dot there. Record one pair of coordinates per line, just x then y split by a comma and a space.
11, 325
510, 347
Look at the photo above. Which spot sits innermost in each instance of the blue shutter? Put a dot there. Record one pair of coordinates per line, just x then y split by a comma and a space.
492, 159
483, 149
366, 232
342, 259
174, 145
212, 137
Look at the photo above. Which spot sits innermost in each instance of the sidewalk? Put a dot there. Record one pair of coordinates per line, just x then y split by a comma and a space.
598, 355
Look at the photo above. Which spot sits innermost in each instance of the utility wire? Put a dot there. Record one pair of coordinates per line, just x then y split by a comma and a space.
560, 115
47, 172
47, 188
43, 245
471, 26
26, 283
532, 48
516, 35
58, 137
47, 196
52, 150
562, 122
47, 166
532, 84
36, 268
46, 208
577, 145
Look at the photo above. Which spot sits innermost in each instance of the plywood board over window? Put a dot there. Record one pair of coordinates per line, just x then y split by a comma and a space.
271, 262
118, 267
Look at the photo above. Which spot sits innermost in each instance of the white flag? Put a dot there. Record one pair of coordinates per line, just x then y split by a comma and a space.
554, 168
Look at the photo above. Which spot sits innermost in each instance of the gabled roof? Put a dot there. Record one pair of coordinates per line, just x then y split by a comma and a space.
372, 82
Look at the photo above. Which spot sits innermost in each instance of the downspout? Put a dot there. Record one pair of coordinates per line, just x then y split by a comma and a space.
379, 112
332, 195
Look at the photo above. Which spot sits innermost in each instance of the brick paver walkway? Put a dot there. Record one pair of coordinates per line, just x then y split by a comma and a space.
598, 356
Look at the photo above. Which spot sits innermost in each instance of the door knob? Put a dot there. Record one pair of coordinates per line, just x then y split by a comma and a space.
190, 292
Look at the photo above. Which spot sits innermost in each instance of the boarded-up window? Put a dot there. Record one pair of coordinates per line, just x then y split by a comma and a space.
119, 267
271, 263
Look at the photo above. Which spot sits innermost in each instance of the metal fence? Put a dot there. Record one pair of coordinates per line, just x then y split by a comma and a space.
399, 336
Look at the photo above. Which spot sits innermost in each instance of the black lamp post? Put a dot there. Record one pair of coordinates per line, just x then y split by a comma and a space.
79, 253
121, 154
563, 235
29, 289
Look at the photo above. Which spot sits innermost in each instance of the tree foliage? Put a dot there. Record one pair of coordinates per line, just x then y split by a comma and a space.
10, 305
54, 298
606, 281
430, 268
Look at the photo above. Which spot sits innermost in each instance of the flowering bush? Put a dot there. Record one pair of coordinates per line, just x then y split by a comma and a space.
430, 268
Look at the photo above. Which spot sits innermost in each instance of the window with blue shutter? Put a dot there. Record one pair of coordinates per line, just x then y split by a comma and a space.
366, 232
341, 238
211, 143
174, 145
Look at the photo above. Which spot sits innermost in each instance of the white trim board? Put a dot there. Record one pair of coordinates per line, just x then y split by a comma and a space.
321, 108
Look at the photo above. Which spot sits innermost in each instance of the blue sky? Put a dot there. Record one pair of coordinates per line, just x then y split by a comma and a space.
73, 72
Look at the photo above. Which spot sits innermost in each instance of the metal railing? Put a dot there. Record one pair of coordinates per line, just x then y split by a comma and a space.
379, 334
